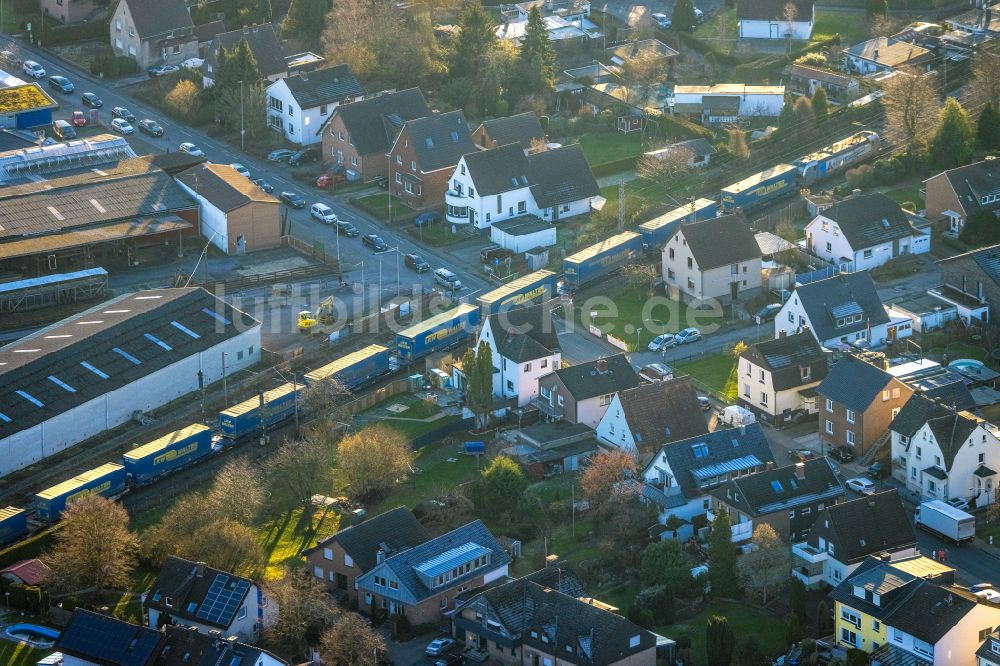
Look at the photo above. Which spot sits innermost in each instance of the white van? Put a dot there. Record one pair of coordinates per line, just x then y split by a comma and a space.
447, 279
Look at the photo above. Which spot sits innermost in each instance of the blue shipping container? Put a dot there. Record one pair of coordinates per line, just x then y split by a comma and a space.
108, 480
167, 453
13, 524
244, 418
655, 232
759, 188
355, 369
601, 259
439, 332
525, 289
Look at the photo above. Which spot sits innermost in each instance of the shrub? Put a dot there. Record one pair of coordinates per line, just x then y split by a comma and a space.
18, 597
181, 101
861, 176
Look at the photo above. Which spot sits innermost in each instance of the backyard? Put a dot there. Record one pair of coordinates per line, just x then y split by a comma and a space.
744, 620
610, 147
19, 654
717, 373
852, 26
634, 308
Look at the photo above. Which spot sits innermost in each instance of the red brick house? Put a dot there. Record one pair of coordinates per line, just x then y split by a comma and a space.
424, 156
523, 128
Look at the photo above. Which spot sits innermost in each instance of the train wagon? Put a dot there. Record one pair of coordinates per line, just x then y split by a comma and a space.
439, 332
836, 157
655, 232
108, 480
13, 524
356, 369
601, 259
245, 418
165, 454
525, 289
759, 188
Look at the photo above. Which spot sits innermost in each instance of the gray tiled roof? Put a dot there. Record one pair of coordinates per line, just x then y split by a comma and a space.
324, 86
779, 489
557, 176
155, 17
853, 383
786, 356
931, 611
180, 581
374, 123
537, 338
989, 651
660, 412
951, 431
223, 187
522, 128
973, 181
397, 528
914, 414
869, 220
987, 258
819, 299
263, 43
498, 170
585, 381
865, 526
720, 241
773, 10
440, 140
186, 646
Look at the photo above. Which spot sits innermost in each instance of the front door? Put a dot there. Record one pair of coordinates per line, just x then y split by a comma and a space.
774, 31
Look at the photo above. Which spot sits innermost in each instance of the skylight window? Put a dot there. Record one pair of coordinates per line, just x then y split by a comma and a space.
91, 321
61, 384
94, 370
155, 340
430, 142
124, 354
55, 337
25, 351
30, 398
147, 298
454, 136
184, 329
116, 311
4, 418
736, 443
216, 316
777, 487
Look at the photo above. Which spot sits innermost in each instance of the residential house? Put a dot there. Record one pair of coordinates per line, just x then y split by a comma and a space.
153, 32
880, 55
525, 347
988, 653
840, 311
971, 282
845, 534
864, 232
490, 186
422, 582
677, 480
911, 612
713, 259
788, 499
582, 393
858, 402
548, 448
696, 152
298, 106
358, 135
206, 32
523, 128
264, 45
941, 453
776, 19
926, 311
209, 600
778, 378
640, 420
528, 622
26, 572
340, 558
185, 646
236, 215
424, 155
67, 12
727, 102
956, 194
839, 87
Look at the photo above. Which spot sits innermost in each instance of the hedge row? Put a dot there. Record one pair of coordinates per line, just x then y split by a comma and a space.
29, 548
614, 166
78, 32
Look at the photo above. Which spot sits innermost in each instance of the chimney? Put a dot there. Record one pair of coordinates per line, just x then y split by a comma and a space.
856, 192
551, 561
602, 365
782, 333
770, 464
885, 556
199, 569
380, 556
800, 471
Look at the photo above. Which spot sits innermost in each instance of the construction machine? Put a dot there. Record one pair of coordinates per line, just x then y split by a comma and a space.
324, 315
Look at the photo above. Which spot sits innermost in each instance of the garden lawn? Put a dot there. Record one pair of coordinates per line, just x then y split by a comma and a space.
437, 475
286, 536
851, 26
630, 305
610, 146
744, 620
722, 25
19, 654
904, 195
716, 372
378, 205
434, 234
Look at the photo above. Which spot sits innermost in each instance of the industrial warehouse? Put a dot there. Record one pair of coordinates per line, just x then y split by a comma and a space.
94, 371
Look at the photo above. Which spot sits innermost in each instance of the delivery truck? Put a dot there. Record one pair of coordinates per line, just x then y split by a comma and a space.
655, 232
245, 418
108, 480
13, 524
946, 521
355, 370
536, 286
759, 188
439, 332
168, 453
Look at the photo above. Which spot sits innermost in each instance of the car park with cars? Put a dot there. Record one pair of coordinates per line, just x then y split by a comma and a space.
375, 242
61, 84
688, 335
345, 228
292, 199
123, 113
33, 69
122, 126
150, 127
63, 130
323, 213
861, 485
661, 342
79, 119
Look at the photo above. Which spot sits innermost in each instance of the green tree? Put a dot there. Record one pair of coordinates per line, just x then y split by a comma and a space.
305, 20
954, 142
793, 629
722, 557
804, 116
820, 104
980, 229
856, 657
786, 119
235, 65
875, 8
683, 17
501, 486
719, 641
666, 563
797, 599
478, 368
536, 63
749, 653
988, 128
476, 36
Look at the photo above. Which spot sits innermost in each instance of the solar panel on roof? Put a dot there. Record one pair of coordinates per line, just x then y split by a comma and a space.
223, 600
846, 310
155, 340
94, 370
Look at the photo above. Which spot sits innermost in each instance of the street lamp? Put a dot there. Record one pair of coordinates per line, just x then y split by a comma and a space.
637, 331
242, 129
225, 385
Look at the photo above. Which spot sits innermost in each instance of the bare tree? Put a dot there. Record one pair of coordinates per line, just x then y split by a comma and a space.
986, 69
738, 147
238, 491
911, 106
306, 610
327, 398
301, 467
766, 568
351, 642
790, 13
608, 477
665, 165
94, 549
639, 277
374, 459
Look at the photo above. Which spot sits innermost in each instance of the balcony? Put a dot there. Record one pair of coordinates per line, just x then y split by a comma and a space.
807, 554
456, 207
811, 574
741, 531
547, 408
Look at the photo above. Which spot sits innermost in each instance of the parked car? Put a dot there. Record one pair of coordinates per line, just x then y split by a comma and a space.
375, 242
79, 119
161, 70
991, 596
767, 313
424, 219
704, 403
303, 156
150, 127
33, 69
280, 155
92, 100
345, 228
688, 335
63, 130
698, 14
861, 485
263, 184
447, 279
450, 659
61, 84
800, 455
323, 213
841, 454
240, 169
122, 112
381, 181
979, 587
656, 372
876, 471
122, 126
662, 21
416, 262
191, 149
661, 342
293, 200
959, 503
439, 646
193, 63
328, 180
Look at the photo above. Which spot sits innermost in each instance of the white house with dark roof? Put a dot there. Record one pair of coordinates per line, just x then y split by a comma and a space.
525, 347
864, 232
698, 152
838, 86
844, 534
955, 194
988, 653
299, 106
775, 19
153, 32
885, 54
777, 378
940, 453
717, 258
503, 183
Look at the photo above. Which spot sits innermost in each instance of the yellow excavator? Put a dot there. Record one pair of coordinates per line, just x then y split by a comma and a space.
324, 315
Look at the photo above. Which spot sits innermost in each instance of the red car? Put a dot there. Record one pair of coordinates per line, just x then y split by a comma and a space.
328, 180
79, 120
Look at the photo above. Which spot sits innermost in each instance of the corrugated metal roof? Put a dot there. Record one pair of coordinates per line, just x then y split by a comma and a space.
44, 280
9, 512
105, 234
603, 246
512, 287
165, 441
77, 481
254, 402
429, 324
676, 214
758, 178
338, 365
736, 464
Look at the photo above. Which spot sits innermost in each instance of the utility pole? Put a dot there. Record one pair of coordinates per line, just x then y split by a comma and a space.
295, 400
621, 204
225, 384
201, 387
263, 420
242, 129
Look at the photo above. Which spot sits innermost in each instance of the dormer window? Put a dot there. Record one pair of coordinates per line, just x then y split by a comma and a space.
568, 648
534, 634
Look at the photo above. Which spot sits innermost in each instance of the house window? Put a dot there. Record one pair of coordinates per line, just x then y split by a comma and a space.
937, 460
413, 165
348, 561
354, 160
690, 263
399, 179
982, 458
118, 25
291, 110
850, 437
527, 367
746, 391
318, 572
805, 511
919, 450
605, 400
829, 405
850, 416
670, 253
886, 395
876, 625
522, 207
545, 362
690, 283
931, 486
328, 553
897, 635
463, 169
444, 604
829, 246
734, 269
322, 110
868, 254
763, 399
700, 450
829, 427
805, 372
399, 160
243, 613
670, 274
791, 514
913, 473
849, 616
761, 379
